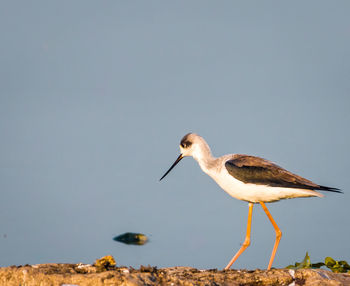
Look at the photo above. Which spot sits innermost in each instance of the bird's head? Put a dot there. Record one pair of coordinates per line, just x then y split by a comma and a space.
190, 145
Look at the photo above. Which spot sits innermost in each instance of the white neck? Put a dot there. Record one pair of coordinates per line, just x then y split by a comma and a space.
203, 156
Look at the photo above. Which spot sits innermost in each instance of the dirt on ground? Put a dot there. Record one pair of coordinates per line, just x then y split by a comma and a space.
85, 274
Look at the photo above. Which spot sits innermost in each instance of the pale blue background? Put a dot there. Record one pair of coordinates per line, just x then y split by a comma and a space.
96, 95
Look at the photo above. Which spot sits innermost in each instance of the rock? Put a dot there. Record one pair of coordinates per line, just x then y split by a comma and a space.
85, 274
105, 263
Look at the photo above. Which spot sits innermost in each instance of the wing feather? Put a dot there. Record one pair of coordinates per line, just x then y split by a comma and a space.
255, 170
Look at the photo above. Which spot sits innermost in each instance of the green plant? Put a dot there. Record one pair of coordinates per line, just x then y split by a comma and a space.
305, 264
335, 266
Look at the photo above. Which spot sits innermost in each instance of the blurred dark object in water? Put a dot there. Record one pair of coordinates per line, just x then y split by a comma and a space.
132, 238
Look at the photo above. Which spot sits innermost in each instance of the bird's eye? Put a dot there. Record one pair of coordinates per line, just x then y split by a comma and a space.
185, 144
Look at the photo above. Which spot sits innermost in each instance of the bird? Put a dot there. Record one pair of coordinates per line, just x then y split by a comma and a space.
251, 179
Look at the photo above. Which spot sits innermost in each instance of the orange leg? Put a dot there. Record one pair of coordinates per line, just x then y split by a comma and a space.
246, 242
278, 234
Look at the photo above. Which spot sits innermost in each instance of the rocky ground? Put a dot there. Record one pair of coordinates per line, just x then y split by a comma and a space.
84, 274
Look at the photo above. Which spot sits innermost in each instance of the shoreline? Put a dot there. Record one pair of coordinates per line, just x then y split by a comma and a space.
86, 274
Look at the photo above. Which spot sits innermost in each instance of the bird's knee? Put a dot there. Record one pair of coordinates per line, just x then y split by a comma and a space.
278, 234
246, 242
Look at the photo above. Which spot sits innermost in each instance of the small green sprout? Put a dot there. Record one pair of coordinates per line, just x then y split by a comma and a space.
306, 264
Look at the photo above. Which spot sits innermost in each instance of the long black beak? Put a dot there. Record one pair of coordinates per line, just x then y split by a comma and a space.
172, 166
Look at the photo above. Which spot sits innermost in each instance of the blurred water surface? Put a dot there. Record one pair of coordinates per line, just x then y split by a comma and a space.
95, 97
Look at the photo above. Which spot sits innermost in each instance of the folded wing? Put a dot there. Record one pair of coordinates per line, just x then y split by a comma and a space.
255, 170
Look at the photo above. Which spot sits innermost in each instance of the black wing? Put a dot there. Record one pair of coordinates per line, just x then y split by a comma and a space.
255, 170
